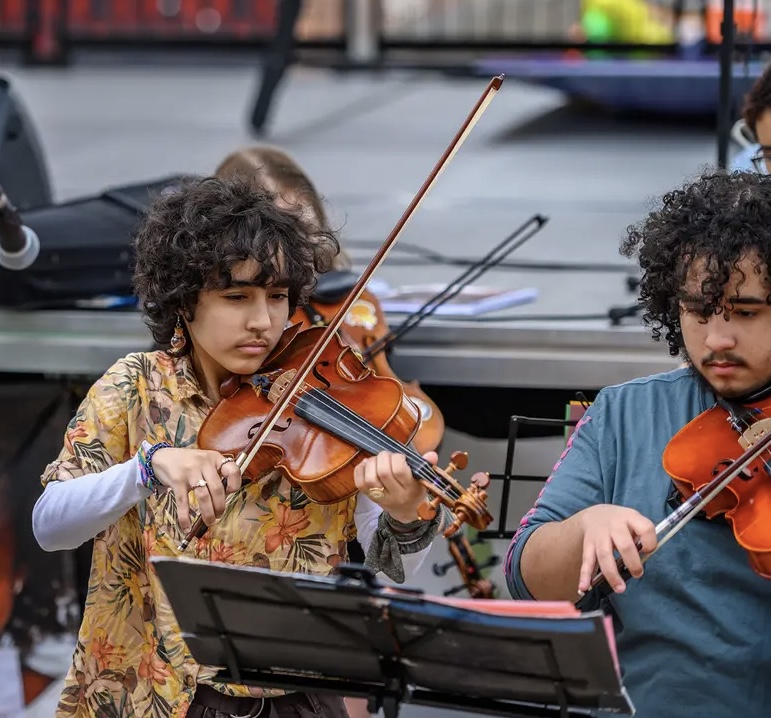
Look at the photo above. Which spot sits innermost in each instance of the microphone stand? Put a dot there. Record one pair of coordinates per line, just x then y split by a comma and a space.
502, 250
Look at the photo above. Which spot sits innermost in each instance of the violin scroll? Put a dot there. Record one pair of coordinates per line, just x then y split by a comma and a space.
468, 506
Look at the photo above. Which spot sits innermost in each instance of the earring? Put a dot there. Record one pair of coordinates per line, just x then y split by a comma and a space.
178, 341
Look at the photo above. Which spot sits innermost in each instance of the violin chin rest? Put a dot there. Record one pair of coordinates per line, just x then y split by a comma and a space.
230, 386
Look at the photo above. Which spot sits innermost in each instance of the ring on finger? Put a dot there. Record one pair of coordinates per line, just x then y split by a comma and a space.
201, 484
229, 459
377, 492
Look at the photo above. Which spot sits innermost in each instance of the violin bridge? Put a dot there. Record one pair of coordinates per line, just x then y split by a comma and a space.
282, 382
754, 433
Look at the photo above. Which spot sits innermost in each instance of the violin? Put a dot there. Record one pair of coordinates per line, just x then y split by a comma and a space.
471, 572
699, 460
463, 557
364, 325
313, 408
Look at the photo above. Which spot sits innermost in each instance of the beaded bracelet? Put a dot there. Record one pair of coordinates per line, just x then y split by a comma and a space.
146, 474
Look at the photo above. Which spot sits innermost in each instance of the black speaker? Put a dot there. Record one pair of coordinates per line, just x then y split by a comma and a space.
23, 170
85, 248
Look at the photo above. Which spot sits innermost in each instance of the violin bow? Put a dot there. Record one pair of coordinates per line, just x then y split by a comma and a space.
288, 391
245, 457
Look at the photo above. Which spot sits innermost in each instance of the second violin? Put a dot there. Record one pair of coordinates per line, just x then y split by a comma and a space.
713, 481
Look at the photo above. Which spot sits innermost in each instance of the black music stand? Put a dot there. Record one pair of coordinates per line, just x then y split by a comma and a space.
351, 636
515, 423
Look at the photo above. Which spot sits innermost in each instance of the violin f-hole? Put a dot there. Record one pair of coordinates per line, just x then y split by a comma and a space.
745, 475
315, 371
276, 427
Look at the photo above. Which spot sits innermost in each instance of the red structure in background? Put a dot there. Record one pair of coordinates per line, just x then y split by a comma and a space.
46, 28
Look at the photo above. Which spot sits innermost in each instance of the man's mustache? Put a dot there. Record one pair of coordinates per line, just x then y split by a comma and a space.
723, 358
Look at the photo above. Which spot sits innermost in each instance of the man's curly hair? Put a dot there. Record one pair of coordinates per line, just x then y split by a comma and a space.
720, 218
197, 231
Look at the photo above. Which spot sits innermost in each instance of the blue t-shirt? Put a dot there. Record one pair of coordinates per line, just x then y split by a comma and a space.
694, 632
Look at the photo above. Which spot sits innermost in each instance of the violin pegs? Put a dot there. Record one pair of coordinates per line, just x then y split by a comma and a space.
458, 460
427, 511
480, 480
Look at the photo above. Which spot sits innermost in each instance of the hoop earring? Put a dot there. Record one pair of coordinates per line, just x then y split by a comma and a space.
179, 340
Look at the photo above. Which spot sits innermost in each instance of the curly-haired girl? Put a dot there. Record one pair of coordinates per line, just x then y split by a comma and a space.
219, 268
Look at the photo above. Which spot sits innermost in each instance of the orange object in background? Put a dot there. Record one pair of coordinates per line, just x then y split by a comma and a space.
749, 21
151, 18
12, 14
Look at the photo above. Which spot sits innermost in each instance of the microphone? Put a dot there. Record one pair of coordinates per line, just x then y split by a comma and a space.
19, 245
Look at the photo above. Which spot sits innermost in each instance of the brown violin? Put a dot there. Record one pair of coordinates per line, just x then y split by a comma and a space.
364, 325
470, 571
464, 560
342, 410
314, 408
702, 461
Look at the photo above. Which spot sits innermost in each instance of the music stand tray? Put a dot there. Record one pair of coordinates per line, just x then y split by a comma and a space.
350, 635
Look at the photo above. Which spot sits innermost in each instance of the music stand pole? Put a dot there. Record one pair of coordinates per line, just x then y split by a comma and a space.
725, 107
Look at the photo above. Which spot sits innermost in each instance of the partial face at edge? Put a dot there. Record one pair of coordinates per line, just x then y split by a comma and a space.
763, 136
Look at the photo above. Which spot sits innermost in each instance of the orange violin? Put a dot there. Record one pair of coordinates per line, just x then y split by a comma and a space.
711, 479
364, 325
745, 502
470, 571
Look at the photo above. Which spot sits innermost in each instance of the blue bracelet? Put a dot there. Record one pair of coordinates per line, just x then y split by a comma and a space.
147, 475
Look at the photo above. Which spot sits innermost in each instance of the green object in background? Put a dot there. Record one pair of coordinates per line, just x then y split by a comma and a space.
597, 26
624, 21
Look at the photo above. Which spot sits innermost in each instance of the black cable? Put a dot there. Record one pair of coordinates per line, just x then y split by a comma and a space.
522, 318
439, 258
515, 240
614, 315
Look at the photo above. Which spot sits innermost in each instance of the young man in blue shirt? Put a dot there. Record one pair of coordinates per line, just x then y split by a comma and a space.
693, 629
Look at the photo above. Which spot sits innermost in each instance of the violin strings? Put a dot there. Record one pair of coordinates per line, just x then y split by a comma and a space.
367, 430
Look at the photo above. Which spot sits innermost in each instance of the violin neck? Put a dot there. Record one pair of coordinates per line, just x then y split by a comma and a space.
326, 412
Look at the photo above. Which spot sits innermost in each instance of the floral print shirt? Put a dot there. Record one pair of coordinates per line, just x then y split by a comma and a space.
130, 660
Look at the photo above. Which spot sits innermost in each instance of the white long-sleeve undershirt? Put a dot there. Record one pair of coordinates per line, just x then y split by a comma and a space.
69, 513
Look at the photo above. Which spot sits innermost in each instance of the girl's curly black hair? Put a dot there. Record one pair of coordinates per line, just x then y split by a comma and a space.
197, 231
720, 218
